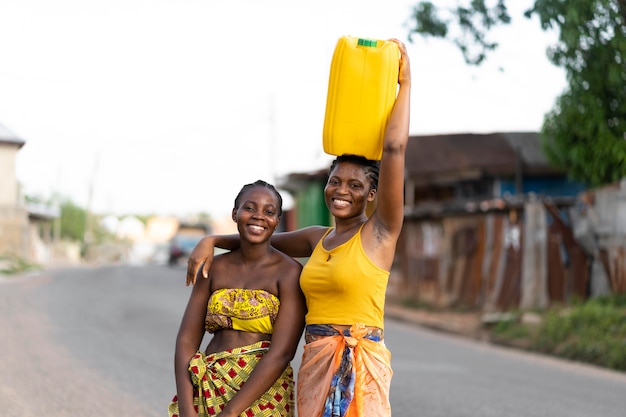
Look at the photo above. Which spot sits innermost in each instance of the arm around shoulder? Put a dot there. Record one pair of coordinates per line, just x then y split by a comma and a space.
202, 255
298, 243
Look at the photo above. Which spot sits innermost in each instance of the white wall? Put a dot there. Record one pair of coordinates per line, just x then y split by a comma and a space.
8, 180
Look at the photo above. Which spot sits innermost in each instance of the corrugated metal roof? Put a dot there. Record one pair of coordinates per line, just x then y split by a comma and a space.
528, 146
451, 157
6, 136
491, 154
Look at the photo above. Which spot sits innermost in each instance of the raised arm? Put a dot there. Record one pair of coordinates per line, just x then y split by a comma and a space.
389, 213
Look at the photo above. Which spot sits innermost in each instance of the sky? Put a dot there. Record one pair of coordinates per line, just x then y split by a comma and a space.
170, 106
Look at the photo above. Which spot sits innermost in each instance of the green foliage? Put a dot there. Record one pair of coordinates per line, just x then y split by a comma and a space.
474, 22
10, 264
73, 221
413, 303
143, 218
592, 332
585, 133
73, 217
615, 301
427, 22
511, 330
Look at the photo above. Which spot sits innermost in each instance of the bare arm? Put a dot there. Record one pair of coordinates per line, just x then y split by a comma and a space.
203, 254
298, 244
288, 330
188, 341
389, 213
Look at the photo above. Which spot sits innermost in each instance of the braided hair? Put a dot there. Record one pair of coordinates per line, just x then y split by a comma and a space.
260, 183
371, 168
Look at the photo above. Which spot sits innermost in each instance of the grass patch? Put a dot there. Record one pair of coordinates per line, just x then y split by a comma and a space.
11, 265
592, 332
418, 305
511, 330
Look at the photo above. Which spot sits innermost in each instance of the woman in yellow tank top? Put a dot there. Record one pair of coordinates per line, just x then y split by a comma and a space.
345, 368
251, 294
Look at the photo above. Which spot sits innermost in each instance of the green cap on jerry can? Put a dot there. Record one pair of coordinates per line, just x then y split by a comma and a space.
367, 42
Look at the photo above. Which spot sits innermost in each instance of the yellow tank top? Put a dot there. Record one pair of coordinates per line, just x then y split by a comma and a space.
342, 286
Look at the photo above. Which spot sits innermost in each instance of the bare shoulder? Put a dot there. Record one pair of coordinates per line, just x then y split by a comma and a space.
221, 260
288, 264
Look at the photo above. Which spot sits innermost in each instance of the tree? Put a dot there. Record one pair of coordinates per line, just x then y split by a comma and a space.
73, 220
585, 133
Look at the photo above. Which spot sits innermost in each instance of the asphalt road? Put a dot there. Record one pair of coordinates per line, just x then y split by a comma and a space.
100, 341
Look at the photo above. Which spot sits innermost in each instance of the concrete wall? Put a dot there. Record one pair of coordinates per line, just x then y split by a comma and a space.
8, 181
14, 232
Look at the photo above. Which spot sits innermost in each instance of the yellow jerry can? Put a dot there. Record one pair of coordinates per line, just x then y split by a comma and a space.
362, 90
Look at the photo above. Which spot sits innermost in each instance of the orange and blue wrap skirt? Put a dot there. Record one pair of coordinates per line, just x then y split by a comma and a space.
344, 373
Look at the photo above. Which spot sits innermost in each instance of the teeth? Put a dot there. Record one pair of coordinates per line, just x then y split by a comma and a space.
257, 228
341, 203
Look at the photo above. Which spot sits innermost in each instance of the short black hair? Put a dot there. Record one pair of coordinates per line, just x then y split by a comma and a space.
371, 167
260, 183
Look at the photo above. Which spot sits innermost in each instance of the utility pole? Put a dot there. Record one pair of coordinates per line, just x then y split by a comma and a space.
272, 136
88, 234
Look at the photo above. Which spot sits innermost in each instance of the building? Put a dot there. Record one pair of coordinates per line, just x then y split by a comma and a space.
13, 216
26, 231
479, 223
485, 218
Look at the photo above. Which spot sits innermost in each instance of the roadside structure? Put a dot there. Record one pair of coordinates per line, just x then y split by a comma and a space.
13, 216
26, 231
487, 224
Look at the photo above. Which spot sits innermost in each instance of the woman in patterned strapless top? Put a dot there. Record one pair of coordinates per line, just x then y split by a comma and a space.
251, 294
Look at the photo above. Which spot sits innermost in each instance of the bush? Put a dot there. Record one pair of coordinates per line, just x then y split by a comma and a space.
592, 332
10, 264
511, 331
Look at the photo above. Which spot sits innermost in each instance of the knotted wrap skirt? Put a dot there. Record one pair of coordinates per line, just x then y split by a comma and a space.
344, 374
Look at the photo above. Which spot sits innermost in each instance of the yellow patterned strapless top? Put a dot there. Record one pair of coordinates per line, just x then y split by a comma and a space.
242, 309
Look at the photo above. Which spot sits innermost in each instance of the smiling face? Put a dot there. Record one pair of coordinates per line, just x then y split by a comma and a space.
348, 190
257, 214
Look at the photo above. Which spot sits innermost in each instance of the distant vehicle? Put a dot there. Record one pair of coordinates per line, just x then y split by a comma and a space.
183, 242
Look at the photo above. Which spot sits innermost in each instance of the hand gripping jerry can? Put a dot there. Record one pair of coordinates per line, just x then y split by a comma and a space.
362, 90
